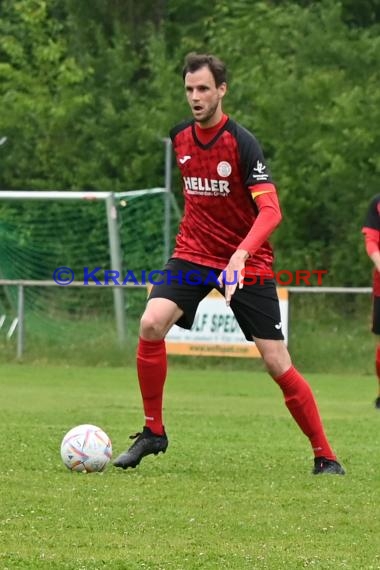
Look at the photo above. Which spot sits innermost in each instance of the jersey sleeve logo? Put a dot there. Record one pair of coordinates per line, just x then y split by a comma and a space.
224, 169
259, 171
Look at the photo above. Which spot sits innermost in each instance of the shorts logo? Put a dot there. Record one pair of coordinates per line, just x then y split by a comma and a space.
224, 168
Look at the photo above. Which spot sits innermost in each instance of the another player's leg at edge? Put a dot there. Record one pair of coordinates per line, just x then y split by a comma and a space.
377, 367
156, 321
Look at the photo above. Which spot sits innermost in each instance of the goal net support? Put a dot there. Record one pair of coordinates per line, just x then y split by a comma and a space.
43, 231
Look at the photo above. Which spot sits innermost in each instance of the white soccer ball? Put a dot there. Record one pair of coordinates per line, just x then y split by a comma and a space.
86, 448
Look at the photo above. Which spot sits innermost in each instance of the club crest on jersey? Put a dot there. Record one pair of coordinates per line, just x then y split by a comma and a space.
224, 168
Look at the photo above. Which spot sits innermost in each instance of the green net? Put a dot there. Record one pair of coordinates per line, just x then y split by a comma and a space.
39, 236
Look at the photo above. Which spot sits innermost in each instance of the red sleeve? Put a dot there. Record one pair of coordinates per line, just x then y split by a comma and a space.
372, 240
268, 218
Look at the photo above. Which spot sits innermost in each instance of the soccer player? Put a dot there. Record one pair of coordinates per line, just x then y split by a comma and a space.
231, 209
371, 231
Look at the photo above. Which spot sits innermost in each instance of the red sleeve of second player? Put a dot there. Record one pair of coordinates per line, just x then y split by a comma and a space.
372, 240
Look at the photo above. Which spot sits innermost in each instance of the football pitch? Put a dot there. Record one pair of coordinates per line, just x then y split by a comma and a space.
233, 491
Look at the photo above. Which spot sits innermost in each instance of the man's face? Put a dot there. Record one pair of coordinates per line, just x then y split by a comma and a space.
204, 97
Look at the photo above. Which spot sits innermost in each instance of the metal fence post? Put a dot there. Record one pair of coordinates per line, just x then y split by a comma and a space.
20, 322
167, 197
114, 242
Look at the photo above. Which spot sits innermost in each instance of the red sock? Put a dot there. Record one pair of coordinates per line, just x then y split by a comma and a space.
151, 370
301, 403
378, 362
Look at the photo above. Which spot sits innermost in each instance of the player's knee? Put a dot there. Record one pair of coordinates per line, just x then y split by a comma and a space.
277, 361
151, 328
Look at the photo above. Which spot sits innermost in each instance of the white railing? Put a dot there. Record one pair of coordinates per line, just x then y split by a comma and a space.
19, 321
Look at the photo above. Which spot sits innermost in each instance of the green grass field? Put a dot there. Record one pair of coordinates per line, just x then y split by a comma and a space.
234, 490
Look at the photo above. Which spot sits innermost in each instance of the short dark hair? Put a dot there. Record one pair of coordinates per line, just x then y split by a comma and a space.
195, 61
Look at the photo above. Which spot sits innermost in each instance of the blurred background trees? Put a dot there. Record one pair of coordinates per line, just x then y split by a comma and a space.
89, 89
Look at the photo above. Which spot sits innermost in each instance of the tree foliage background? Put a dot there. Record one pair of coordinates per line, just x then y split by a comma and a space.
89, 89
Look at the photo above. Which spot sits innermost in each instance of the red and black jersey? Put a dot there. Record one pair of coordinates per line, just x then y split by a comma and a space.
371, 230
220, 180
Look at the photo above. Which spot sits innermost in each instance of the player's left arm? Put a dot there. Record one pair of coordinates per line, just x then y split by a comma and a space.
268, 218
257, 178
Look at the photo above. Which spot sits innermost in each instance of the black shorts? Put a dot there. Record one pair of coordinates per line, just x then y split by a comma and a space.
256, 306
376, 315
